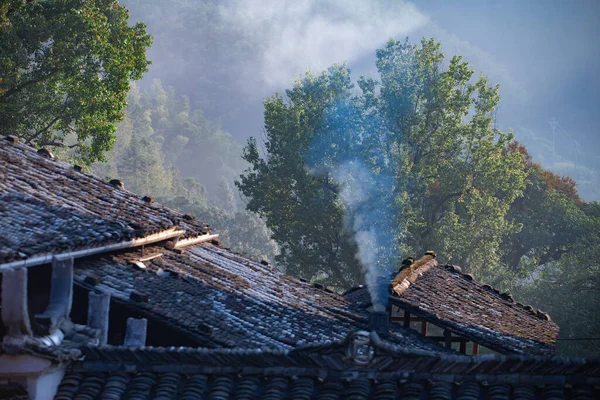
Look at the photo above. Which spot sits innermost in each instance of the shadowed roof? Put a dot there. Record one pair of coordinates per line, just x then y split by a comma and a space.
225, 300
46, 206
453, 300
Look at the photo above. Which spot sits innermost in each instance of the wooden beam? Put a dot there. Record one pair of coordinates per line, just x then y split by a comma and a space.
46, 259
406, 319
463, 347
401, 319
150, 257
453, 339
475, 348
423, 327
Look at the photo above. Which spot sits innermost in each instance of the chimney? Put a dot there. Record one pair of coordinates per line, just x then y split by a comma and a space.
378, 322
135, 336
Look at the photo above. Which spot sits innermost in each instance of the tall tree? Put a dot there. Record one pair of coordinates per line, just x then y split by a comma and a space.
301, 209
455, 180
65, 68
427, 150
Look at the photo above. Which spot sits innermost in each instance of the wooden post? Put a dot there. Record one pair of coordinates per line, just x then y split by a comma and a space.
61, 294
475, 348
406, 319
423, 327
135, 336
448, 339
463, 347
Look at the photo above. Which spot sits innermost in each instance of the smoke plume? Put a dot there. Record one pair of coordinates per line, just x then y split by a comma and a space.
293, 35
368, 214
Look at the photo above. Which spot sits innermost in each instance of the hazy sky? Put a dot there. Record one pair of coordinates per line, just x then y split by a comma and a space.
546, 57
544, 54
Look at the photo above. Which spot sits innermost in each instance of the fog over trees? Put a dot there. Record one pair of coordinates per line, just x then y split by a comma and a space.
314, 135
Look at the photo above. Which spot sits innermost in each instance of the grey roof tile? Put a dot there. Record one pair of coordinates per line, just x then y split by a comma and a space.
227, 300
58, 209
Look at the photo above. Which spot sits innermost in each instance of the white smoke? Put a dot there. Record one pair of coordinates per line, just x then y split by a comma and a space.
295, 35
361, 202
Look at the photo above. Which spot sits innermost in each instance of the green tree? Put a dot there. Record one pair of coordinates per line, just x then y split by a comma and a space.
456, 182
246, 233
552, 215
569, 289
301, 208
226, 197
65, 68
425, 139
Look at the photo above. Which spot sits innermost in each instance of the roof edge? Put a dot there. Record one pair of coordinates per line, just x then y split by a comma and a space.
547, 349
45, 259
184, 243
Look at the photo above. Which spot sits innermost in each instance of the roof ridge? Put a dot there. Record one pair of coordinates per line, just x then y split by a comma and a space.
409, 275
317, 354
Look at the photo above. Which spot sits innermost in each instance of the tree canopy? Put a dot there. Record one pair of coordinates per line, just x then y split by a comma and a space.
65, 68
428, 153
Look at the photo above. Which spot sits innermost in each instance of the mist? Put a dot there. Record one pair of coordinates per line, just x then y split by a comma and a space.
543, 54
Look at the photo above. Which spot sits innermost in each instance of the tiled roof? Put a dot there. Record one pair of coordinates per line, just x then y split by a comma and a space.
453, 300
324, 372
47, 206
225, 300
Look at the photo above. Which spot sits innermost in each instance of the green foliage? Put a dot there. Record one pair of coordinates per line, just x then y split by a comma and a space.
551, 215
225, 196
65, 68
301, 209
428, 127
154, 147
569, 289
455, 181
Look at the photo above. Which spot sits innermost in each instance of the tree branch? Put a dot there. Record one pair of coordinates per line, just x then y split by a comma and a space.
43, 130
18, 88
55, 144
